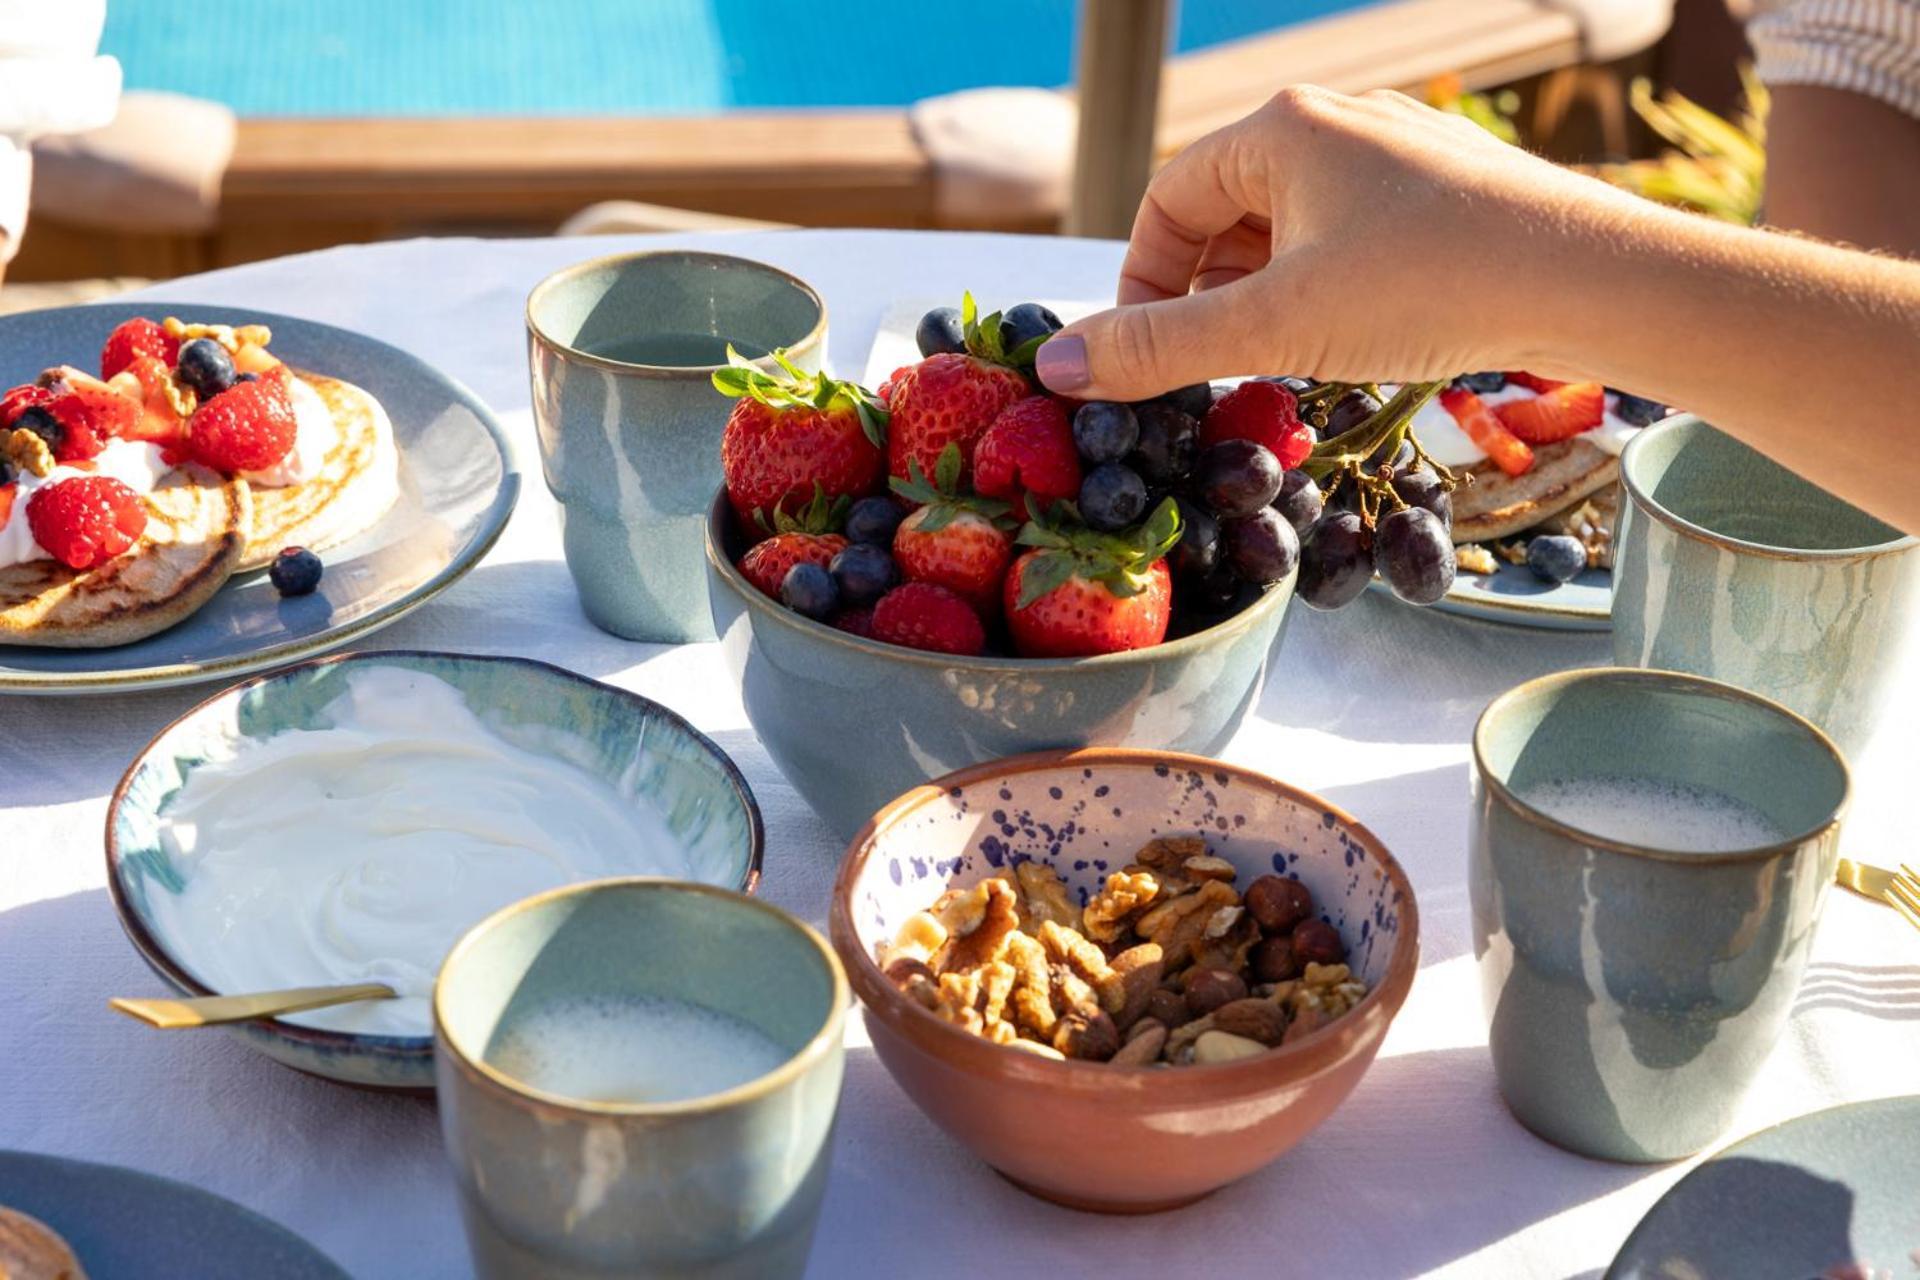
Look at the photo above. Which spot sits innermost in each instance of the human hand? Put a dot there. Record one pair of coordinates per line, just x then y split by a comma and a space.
1347, 238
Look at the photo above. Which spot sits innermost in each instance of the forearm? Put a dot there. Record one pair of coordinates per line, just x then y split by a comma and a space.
1805, 351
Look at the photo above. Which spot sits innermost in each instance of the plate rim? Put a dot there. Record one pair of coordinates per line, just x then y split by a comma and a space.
176, 674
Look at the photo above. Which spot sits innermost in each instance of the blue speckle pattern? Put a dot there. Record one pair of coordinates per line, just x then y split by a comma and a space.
1051, 814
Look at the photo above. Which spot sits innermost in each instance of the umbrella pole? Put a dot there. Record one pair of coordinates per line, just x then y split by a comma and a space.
1122, 46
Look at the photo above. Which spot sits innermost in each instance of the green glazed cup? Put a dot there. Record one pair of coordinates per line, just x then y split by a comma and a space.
1634, 991
726, 1186
622, 352
1728, 565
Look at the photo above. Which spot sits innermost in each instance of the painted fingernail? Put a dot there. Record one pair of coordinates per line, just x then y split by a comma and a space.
1062, 363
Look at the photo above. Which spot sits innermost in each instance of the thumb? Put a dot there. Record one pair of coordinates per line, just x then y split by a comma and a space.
1136, 352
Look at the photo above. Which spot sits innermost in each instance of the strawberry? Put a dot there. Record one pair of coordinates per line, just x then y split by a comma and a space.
793, 435
145, 381
1265, 413
248, 427
766, 564
8, 492
1508, 451
134, 339
951, 398
87, 520
1080, 592
952, 541
1555, 415
1533, 382
884, 392
87, 416
920, 615
1028, 456
21, 399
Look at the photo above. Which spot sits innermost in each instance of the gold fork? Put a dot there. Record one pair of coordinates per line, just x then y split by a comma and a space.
1903, 894
1897, 889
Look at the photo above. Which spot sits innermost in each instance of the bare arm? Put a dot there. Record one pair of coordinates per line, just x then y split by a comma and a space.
1843, 166
1372, 238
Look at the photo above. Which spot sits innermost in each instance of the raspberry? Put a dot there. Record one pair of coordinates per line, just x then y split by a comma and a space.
920, 615
1029, 451
86, 521
133, 339
246, 428
1265, 413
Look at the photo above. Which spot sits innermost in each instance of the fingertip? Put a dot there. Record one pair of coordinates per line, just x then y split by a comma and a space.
1061, 363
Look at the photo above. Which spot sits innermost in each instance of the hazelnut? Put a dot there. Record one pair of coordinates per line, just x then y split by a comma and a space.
902, 969
1278, 902
1089, 1037
1273, 961
1168, 1007
1208, 989
1317, 942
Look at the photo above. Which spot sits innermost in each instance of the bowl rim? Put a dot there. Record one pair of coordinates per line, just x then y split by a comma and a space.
324, 1039
767, 609
963, 1050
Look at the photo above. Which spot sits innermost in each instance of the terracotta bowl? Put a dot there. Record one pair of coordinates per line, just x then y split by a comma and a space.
1093, 1135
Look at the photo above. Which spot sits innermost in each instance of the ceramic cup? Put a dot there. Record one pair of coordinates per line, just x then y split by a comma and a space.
725, 1186
1634, 990
622, 352
1728, 565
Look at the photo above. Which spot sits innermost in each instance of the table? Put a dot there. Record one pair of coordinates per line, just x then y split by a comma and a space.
1422, 1172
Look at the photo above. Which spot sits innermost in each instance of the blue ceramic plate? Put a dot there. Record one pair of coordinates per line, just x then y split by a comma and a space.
126, 1225
458, 484
1513, 595
1792, 1202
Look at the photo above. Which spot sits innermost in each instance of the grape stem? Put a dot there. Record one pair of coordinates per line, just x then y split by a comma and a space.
1343, 459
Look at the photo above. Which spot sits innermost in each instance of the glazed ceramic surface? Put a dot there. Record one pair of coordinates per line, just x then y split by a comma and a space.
1633, 992
723, 1186
127, 1225
811, 691
632, 451
638, 746
1802, 1199
1513, 594
458, 484
1093, 1135
1730, 566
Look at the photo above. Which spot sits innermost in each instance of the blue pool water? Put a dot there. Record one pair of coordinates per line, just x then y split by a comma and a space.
618, 57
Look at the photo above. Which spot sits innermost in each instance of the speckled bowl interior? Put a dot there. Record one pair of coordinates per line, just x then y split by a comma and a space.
643, 750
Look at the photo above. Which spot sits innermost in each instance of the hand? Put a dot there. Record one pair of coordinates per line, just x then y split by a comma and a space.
1334, 237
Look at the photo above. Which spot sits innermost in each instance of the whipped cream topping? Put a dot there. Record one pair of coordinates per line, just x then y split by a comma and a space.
314, 437
1449, 446
362, 850
136, 464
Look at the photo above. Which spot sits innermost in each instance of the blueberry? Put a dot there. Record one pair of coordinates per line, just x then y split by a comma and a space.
1104, 431
1199, 547
1637, 411
1169, 439
1420, 487
295, 571
1236, 478
1025, 321
809, 589
874, 520
206, 367
1482, 384
939, 331
1112, 497
1556, 557
1349, 411
1194, 401
246, 377
44, 425
6, 472
1262, 548
1299, 502
863, 573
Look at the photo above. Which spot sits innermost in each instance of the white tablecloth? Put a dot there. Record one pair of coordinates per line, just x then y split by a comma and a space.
1422, 1172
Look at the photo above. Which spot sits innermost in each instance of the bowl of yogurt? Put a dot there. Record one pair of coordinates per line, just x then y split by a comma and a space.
347, 819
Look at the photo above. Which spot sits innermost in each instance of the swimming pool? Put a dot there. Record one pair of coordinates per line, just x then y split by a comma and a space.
619, 57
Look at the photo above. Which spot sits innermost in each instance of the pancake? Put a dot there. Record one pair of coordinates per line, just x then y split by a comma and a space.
196, 533
32, 1250
356, 484
1497, 505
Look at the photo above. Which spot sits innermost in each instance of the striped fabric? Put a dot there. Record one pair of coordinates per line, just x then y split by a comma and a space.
1871, 47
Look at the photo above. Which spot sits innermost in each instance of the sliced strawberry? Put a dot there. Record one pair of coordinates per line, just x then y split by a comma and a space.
1533, 382
1508, 451
7, 494
145, 380
87, 416
21, 399
254, 358
134, 339
1555, 415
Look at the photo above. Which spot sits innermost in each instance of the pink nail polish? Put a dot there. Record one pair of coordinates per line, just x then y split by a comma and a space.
1062, 363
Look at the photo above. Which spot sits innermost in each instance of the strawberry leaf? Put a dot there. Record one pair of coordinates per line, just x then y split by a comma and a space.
1024, 354
1043, 574
873, 421
946, 469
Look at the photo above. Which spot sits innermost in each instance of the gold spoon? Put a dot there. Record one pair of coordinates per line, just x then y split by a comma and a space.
212, 1011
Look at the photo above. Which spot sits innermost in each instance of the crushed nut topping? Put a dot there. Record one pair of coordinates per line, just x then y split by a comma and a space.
27, 452
1474, 558
226, 335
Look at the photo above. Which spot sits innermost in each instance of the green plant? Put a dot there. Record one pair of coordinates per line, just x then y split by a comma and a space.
1718, 167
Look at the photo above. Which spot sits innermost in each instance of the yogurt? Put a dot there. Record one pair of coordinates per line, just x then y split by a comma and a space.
134, 463
361, 851
1451, 447
314, 438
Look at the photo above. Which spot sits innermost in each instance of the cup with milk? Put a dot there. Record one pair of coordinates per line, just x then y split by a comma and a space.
638, 1077
1649, 854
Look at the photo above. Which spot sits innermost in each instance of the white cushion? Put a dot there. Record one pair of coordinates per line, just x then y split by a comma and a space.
1615, 28
998, 154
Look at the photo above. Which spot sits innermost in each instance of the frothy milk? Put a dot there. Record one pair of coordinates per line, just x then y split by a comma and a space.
638, 1049
1655, 814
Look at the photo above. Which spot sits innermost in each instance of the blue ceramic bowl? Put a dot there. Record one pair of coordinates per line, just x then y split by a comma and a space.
853, 723
639, 746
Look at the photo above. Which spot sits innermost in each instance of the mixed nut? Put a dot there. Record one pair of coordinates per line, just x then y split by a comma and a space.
1169, 964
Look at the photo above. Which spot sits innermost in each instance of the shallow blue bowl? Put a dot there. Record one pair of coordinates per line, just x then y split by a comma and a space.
854, 723
692, 782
